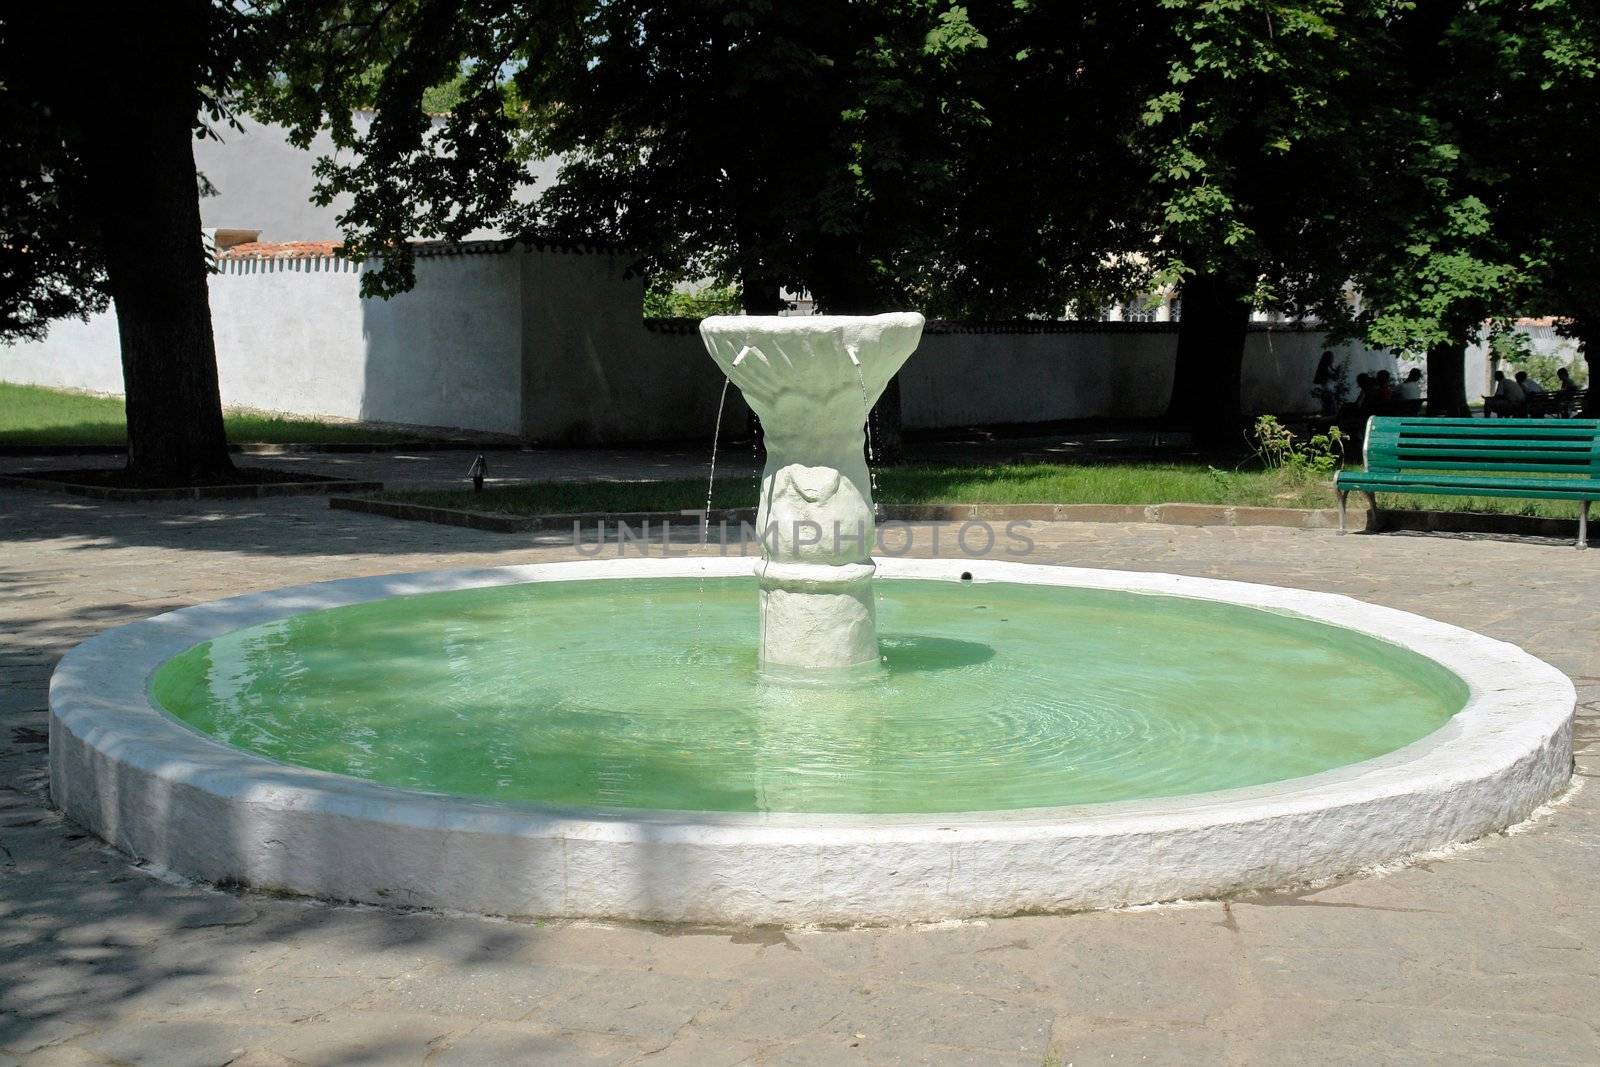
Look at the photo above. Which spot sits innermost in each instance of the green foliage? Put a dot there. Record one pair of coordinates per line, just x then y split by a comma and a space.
1409, 150
51, 262
1314, 459
872, 154
663, 301
1542, 367
442, 99
1541, 73
1509, 343
992, 158
52, 247
1499, 121
1256, 144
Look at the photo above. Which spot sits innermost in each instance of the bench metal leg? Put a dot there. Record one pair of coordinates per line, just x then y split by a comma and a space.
1374, 522
1583, 524
1343, 494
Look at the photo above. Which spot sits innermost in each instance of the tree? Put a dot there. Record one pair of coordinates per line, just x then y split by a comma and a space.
1540, 63
874, 155
104, 205
1264, 143
1439, 266
1050, 206
1376, 147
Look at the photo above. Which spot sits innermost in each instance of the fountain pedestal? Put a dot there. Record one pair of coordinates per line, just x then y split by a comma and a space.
812, 381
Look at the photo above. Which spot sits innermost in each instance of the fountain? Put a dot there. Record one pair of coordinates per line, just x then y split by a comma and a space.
812, 381
625, 738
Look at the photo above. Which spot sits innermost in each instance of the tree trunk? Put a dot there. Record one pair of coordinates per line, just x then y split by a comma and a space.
1209, 374
139, 162
1447, 381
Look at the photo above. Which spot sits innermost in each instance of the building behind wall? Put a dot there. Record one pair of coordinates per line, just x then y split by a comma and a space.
263, 183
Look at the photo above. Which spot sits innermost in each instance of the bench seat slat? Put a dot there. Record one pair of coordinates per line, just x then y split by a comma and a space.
1422, 455
1577, 446
1476, 478
1493, 427
1506, 465
1508, 439
1489, 427
1520, 492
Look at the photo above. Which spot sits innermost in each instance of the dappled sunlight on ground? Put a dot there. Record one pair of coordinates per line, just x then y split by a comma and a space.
1490, 952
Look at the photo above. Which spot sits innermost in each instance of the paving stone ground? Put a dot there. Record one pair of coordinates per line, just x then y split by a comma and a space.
1489, 954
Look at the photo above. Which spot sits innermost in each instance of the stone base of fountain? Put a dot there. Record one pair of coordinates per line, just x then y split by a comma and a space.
178, 800
817, 622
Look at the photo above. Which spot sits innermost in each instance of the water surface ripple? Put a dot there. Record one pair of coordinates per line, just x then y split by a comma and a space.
644, 694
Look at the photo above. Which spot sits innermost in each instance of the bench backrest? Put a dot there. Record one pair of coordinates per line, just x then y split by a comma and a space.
1509, 446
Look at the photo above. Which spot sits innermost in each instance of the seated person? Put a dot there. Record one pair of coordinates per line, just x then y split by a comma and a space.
1508, 398
1529, 386
1411, 388
1383, 387
1564, 376
1364, 392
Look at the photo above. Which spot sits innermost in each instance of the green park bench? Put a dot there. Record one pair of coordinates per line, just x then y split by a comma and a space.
1546, 459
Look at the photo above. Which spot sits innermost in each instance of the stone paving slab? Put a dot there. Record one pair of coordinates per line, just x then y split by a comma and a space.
1485, 955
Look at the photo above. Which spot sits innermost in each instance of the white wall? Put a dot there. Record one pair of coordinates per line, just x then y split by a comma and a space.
549, 345
592, 372
262, 182
966, 379
1279, 365
294, 336
1542, 338
73, 355
448, 353
959, 379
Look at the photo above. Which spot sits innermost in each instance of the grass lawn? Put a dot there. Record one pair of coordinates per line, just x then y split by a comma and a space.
32, 415
1015, 483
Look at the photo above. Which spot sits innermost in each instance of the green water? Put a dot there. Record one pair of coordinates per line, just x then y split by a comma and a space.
643, 694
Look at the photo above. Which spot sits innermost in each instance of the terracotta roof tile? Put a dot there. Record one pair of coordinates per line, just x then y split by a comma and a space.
493, 246
281, 250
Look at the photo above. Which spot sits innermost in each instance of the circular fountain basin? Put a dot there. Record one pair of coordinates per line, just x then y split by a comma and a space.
547, 740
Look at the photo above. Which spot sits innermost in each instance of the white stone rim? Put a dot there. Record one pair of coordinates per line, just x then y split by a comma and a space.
1518, 715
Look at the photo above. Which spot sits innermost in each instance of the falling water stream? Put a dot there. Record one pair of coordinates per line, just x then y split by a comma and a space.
872, 459
716, 435
711, 485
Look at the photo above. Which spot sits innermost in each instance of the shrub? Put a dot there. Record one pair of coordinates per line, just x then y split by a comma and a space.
1314, 459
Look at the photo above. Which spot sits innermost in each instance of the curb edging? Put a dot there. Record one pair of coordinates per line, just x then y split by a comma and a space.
308, 486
